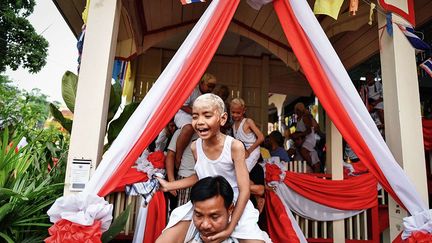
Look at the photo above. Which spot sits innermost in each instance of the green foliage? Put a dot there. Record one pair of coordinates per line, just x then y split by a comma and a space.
21, 111
117, 125
117, 226
30, 181
65, 122
69, 89
115, 100
20, 45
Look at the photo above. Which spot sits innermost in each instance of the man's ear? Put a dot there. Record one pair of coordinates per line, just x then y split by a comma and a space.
224, 118
231, 209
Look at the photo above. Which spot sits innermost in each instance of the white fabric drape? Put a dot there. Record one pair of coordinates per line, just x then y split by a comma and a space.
140, 223
344, 88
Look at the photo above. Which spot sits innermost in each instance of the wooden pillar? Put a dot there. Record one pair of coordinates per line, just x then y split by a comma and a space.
91, 106
334, 166
402, 116
265, 81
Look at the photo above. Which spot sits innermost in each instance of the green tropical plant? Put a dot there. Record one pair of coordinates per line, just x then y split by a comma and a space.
27, 186
117, 125
22, 112
117, 226
69, 90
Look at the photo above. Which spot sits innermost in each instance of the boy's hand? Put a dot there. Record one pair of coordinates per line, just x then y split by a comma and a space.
164, 185
221, 236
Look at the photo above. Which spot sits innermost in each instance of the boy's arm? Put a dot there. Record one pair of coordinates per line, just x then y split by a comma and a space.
177, 185
242, 175
258, 133
169, 165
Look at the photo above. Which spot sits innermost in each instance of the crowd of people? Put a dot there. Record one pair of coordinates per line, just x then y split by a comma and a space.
215, 155
211, 142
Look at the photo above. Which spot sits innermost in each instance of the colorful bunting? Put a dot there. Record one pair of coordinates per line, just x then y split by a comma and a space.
415, 41
427, 66
184, 2
330, 8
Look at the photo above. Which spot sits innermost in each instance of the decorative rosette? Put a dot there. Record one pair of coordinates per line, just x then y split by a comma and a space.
418, 228
151, 163
154, 165
273, 174
69, 232
77, 213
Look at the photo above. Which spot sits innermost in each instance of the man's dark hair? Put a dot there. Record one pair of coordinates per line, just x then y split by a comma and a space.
210, 187
277, 136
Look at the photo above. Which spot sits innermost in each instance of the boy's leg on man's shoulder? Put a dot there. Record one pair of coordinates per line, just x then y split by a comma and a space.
175, 234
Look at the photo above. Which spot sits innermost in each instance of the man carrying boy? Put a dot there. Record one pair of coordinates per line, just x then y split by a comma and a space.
212, 198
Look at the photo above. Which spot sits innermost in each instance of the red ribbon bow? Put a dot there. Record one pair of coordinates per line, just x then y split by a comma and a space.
68, 232
272, 173
157, 159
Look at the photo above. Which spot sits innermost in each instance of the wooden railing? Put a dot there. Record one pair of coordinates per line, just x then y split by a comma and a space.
120, 202
363, 227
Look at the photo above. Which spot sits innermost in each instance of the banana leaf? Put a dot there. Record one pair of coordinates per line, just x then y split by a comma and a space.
65, 122
69, 89
117, 226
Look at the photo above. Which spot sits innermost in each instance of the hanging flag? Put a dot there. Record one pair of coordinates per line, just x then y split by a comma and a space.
80, 45
184, 2
403, 8
353, 7
330, 8
415, 41
427, 66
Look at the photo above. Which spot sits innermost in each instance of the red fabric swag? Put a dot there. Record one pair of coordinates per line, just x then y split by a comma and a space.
67, 232
132, 176
352, 193
181, 89
156, 218
427, 134
279, 227
323, 89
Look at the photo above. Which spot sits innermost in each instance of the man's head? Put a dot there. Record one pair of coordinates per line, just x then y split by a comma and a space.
299, 109
370, 78
222, 91
212, 198
207, 83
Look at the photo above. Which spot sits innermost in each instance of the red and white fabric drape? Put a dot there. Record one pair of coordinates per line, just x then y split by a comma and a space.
333, 87
321, 66
160, 104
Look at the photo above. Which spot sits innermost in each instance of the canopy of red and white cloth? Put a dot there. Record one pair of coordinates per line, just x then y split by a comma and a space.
325, 73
